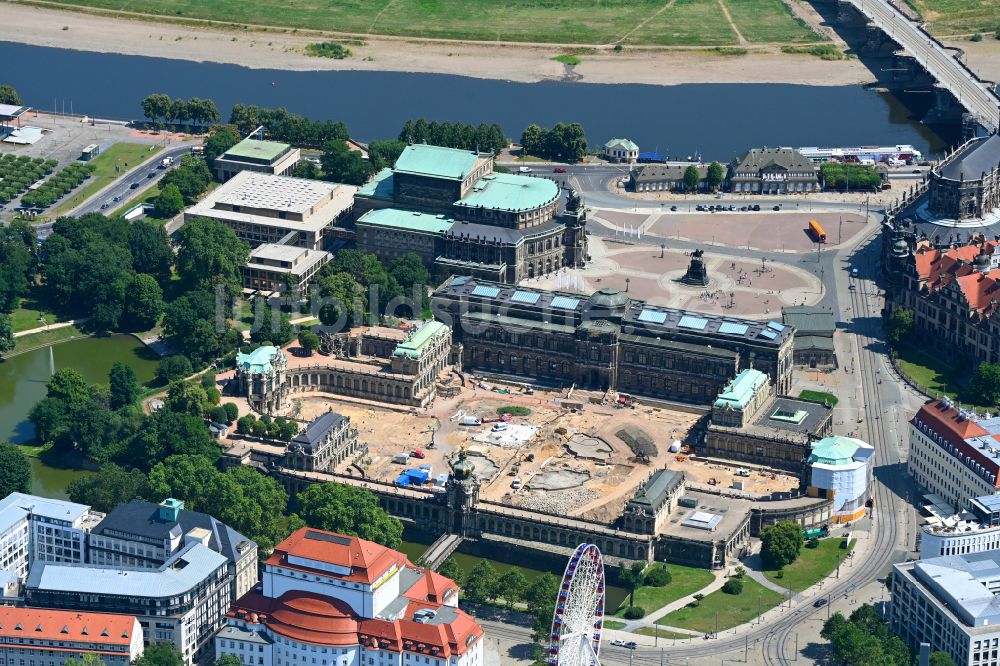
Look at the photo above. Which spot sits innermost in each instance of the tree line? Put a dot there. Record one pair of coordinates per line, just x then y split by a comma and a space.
282, 125
563, 142
864, 639
482, 137
161, 108
841, 176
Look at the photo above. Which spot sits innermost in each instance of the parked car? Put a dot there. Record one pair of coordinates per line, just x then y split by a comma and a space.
419, 454
819, 603
756, 207
516, 483
776, 208
559, 170
618, 642
632, 645
673, 209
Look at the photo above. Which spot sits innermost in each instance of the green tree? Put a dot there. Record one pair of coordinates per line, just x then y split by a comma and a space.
309, 341
986, 383
185, 477
187, 398
160, 654
270, 324
191, 178
941, 659
715, 176
453, 570
658, 575
780, 543
18, 262
341, 299
244, 425
143, 302
383, 154
218, 414
150, 248
123, 385
7, 340
170, 202
251, 503
348, 510
170, 433
209, 253
15, 470
343, 165
531, 140
691, 178
157, 106
110, 486
482, 583
306, 169
172, 368
219, 141
86, 659
733, 586
631, 578
232, 411
511, 586
900, 324
9, 96
228, 660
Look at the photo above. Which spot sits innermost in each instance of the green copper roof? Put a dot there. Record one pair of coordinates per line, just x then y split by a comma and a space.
505, 191
260, 150
258, 361
414, 345
408, 220
836, 450
740, 391
625, 143
435, 161
379, 187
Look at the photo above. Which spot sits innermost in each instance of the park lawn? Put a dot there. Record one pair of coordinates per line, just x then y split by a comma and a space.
811, 566
686, 23
719, 611
686, 580
104, 170
26, 315
950, 17
613, 624
145, 197
819, 396
933, 374
769, 21
662, 633
27, 342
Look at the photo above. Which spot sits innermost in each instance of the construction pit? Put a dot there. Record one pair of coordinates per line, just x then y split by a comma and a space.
584, 461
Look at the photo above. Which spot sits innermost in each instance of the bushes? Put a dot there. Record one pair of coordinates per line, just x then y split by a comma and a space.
328, 50
173, 367
837, 176
634, 612
733, 586
58, 185
17, 173
658, 575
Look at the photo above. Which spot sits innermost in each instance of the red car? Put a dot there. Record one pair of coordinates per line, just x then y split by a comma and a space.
559, 170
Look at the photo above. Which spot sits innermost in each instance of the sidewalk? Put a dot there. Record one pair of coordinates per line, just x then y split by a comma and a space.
50, 327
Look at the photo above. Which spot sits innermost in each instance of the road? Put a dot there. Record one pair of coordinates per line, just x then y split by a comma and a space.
975, 95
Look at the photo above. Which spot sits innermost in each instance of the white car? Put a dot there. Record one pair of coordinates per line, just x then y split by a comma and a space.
498, 427
619, 642
524, 169
516, 483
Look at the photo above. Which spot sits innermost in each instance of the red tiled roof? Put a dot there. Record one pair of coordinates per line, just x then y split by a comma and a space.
937, 268
431, 588
980, 290
949, 423
304, 616
366, 559
67, 626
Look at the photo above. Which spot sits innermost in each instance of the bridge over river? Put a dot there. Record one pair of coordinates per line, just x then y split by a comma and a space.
977, 96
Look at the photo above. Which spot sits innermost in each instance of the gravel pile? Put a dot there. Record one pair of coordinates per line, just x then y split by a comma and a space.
563, 502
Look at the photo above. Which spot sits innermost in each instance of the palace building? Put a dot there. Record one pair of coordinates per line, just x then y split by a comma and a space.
773, 171
340, 600
967, 184
607, 341
461, 217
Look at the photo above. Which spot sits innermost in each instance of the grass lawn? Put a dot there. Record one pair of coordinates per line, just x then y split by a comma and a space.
769, 21
812, 565
933, 373
46, 337
950, 17
613, 624
686, 580
585, 22
719, 611
104, 170
662, 633
26, 316
819, 396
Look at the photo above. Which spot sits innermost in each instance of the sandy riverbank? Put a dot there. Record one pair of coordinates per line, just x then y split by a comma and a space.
524, 63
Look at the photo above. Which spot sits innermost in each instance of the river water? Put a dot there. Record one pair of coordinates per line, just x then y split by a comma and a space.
717, 120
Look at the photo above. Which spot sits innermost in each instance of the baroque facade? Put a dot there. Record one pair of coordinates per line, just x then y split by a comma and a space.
325, 443
967, 184
607, 341
462, 218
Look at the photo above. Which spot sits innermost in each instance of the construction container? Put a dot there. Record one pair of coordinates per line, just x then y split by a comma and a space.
402, 481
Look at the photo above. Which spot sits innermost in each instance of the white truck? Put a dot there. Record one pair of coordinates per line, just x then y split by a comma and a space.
165, 162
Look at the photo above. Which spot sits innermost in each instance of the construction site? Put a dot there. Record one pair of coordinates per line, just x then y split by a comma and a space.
581, 454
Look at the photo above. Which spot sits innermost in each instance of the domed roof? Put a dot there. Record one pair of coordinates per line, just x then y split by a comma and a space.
900, 248
463, 469
608, 298
314, 618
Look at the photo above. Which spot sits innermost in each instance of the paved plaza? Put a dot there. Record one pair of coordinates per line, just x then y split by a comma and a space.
739, 287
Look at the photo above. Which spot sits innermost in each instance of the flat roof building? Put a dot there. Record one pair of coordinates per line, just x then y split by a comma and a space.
975, 530
51, 637
951, 603
814, 328
271, 157
264, 208
274, 268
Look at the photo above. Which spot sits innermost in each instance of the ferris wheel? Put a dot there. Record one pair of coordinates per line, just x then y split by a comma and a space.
578, 619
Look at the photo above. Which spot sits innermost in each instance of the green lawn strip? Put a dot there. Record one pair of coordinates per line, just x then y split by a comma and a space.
811, 566
933, 373
26, 315
104, 170
819, 396
26, 342
949, 17
719, 611
662, 633
686, 580
769, 21
613, 624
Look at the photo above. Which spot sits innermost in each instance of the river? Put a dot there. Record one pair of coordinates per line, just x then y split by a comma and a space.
717, 120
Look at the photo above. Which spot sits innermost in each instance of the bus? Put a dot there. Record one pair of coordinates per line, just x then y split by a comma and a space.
817, 231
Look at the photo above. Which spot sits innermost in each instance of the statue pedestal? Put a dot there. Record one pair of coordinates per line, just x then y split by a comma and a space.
697, 274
